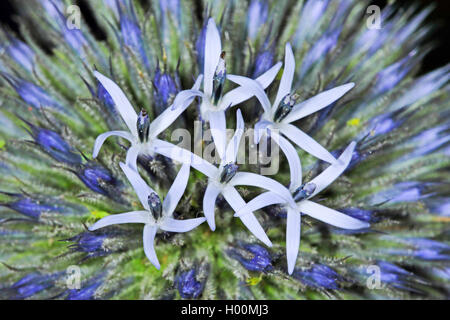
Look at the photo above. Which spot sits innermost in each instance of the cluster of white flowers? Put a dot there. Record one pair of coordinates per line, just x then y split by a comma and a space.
275, 123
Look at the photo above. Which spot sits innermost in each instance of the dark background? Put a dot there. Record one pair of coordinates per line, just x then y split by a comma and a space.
439, 56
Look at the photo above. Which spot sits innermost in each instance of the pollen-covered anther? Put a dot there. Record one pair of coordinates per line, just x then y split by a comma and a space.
228, 172
154, 202
286, 105
304, 191
219, 78
143, 126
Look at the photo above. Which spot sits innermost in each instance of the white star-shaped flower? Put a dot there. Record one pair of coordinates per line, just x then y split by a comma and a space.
156, 215
214, 102
277, 118
143, 133
224, 179
303, 205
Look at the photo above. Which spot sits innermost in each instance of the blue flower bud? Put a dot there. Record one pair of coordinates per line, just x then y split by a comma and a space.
131, 33
88, 289
263, 62
90, 243
165, 90
33, 283
74, 37
396, 276
425, 249
383, 124
97, 178
32, 94
253, 257
200, 47
320, 49
319, 276
106, 98
256, 17
21, 53
430, 140
361, 214
389, 77
170, 6
55, 146
188, 286
31, 207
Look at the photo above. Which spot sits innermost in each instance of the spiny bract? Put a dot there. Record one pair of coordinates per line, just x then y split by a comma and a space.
348, 107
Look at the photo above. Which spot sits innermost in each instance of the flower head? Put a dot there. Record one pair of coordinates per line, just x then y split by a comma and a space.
304, 206
156, 215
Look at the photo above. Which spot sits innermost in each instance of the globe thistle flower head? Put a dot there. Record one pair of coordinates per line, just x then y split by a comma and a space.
359, 186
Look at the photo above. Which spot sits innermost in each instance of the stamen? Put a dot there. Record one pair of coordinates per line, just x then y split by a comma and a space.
286, 105
155, 206
228, 172
219, 78
304, 191
143, 126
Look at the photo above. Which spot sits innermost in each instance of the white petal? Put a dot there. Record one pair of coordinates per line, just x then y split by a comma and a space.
165, 119
236, 202
291, 154
132, 155
149, 249
263, 200
254, 88
213, 49
209, 205
267, 77
102, 137
306, 142
128, 217
260, 130
293, 226
184, 156
124, 106
139, 185
217, 124
176, 191
331, 173
240, 94
173, 225
317, 102
233, 145
256, 180
330, 216
288, 76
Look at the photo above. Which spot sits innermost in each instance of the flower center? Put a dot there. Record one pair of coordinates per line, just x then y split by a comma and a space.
304, 191
286, 105
219, 79
228, 172
143, 126
155, 206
